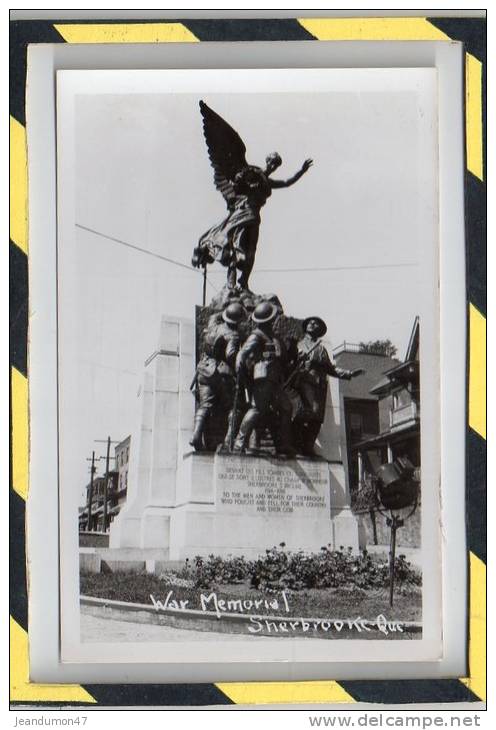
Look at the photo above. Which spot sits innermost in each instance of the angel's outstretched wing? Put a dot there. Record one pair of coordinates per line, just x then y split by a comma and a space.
226, 150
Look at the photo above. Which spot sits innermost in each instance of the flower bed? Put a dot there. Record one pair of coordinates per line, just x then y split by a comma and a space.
280, 569
329, 582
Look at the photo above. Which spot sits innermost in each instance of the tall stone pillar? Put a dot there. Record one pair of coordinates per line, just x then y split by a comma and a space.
329, 440
161, 439
333, 439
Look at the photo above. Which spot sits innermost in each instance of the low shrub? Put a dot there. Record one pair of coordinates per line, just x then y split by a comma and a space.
281, 569
214, 570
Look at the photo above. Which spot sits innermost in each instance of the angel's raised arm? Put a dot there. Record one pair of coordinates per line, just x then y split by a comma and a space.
291, 180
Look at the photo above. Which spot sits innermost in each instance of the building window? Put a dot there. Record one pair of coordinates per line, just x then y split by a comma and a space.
356, 424
401, 398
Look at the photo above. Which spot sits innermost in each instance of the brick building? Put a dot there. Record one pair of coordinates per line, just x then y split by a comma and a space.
116, 491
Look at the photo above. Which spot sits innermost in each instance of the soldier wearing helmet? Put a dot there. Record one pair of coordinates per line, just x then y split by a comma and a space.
263, 359
215, 376
309, 380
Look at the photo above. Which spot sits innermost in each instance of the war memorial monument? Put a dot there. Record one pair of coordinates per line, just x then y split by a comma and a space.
240, 445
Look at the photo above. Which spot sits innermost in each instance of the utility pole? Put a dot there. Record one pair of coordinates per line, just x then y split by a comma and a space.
91, 492
105, 487
90, 495
106, 483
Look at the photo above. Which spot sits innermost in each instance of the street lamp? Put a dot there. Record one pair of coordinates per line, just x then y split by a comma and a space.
395, 489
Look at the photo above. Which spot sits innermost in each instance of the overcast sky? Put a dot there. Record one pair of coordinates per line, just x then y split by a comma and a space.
359, 219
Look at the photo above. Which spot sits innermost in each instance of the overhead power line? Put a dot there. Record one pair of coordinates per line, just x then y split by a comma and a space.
406, 264
330, 268
144, 250
136, 248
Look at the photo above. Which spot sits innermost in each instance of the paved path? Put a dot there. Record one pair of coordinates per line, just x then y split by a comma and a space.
94, 628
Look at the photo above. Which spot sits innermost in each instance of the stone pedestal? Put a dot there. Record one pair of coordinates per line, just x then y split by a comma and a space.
255, 503
181, 503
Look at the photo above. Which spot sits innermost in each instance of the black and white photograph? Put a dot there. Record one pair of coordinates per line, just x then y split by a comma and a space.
248, 365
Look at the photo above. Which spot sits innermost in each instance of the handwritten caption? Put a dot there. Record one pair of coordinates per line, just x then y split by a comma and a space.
211, 603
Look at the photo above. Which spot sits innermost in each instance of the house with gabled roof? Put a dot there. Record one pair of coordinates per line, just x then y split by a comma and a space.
393, 433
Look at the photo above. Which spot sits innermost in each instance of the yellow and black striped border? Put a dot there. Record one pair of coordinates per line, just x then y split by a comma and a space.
472, 32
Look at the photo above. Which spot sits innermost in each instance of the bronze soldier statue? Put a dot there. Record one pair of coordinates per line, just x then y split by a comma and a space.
309, 380
214, 376
245, 189
263, 359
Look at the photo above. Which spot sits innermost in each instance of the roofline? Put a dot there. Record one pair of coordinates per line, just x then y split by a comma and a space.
385, 436
354, 349
381, 387
398, 368
413, 334
121, 443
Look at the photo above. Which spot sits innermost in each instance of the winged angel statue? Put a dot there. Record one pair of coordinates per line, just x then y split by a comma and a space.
245, 188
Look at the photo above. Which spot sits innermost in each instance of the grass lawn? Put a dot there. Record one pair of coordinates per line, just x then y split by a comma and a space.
310, 603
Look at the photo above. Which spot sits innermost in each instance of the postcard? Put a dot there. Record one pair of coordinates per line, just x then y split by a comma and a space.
248, 365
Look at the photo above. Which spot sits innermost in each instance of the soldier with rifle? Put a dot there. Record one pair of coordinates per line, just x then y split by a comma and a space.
309, 380
214, 377
262, 360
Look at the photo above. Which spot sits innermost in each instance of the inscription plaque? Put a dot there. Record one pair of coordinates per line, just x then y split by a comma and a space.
249, 486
